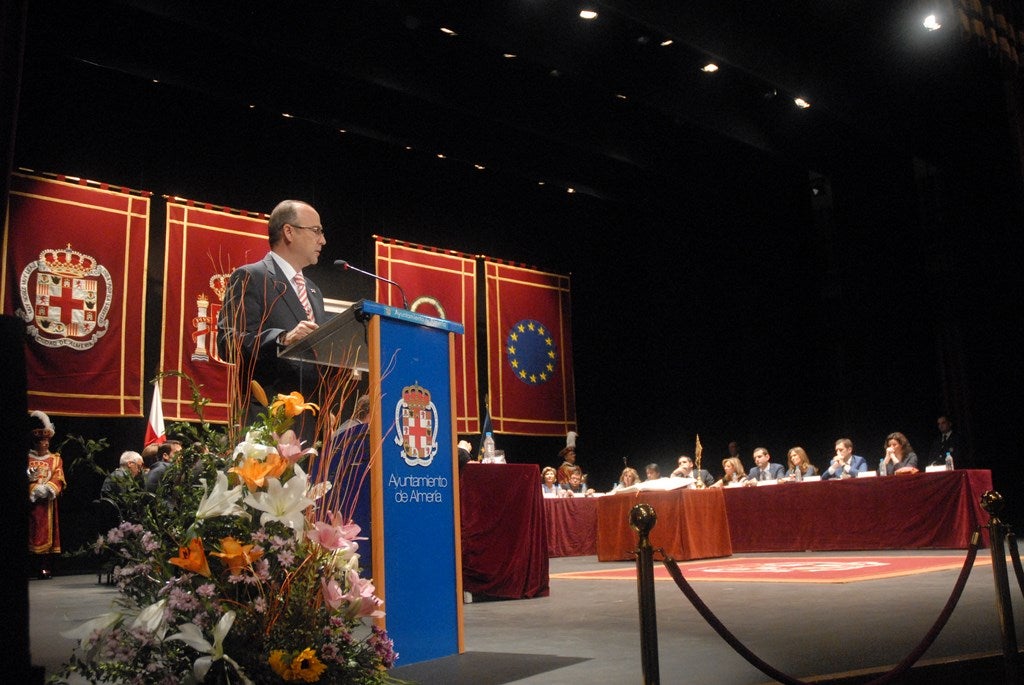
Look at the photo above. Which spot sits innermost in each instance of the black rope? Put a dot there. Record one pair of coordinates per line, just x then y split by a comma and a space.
901, 668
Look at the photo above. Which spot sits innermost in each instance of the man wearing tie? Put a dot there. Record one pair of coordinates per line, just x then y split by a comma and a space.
947, 440
765, 470
270, 305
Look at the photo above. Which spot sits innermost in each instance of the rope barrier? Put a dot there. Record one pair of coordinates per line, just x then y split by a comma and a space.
1011, 540
900, 669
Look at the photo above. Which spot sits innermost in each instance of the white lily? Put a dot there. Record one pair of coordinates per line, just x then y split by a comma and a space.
285, 503
101, 622
221, 500
192, 635
252, 448
151, 619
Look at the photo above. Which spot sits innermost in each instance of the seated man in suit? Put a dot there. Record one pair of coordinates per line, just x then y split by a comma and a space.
764, 469
845, 464
685, 469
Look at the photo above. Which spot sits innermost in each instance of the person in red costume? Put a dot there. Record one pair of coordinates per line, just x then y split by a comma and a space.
45, 485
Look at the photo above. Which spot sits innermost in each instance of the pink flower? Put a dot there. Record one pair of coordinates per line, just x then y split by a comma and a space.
335, 535
290, 447
362, 600
333, 596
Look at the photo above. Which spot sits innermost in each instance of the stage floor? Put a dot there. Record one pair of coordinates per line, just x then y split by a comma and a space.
587, 630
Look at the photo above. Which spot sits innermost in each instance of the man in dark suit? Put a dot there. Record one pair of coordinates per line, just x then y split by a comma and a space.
270, 305
765, 470
948, 440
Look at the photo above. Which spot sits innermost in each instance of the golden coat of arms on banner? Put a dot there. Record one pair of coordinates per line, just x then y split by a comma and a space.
66, 297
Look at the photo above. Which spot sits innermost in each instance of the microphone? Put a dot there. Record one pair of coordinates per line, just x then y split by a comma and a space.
345, 265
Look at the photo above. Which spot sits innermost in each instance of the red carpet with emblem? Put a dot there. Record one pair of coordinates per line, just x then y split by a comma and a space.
790, 569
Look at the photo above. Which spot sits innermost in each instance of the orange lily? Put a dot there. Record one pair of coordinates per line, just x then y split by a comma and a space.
193, 558
255, 472
236, 555
258, 392
294, 404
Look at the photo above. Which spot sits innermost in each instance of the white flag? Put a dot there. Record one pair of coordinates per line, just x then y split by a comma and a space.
155, 428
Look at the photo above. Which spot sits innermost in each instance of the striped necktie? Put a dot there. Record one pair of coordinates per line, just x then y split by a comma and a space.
300, 290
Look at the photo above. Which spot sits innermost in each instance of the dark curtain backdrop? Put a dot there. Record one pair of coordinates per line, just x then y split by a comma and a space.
707, 300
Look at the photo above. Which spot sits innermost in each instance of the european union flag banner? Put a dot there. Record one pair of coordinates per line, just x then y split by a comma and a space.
442, 284
529, 351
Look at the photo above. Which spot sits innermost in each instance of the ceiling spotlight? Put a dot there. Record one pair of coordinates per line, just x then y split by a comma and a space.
570, 190
588, 14
448, 31
286, 115
709, 68
509, 55
801, 103
665, 43
931, 22
621, 96
479, 167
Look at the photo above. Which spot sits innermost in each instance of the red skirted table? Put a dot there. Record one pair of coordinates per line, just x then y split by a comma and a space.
572, 526
504, 537
923, 510
692, 524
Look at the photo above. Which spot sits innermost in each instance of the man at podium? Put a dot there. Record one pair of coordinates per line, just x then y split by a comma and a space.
270, 305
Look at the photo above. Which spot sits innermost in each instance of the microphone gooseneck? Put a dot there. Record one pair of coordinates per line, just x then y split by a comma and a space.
345, 265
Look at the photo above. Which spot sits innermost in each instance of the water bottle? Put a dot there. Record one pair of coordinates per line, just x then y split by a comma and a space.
488, 448
949, 461
881, 468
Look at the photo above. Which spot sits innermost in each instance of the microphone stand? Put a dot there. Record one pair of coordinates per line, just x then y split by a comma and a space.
345, 265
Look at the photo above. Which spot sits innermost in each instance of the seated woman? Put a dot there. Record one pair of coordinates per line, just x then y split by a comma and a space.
548, 486
799, 465
628, 477
734, 472
899, 456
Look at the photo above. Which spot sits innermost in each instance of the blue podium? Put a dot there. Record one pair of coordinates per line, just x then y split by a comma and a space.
413, 486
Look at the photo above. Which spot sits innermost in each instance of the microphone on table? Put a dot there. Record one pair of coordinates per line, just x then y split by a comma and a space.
345, 265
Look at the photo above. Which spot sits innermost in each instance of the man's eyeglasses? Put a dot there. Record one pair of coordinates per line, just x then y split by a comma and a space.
317, 230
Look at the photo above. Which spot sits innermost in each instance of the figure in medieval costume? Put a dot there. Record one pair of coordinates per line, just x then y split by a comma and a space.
45, 485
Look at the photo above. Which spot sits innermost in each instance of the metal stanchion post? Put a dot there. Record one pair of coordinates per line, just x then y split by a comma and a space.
641, 519
992, 502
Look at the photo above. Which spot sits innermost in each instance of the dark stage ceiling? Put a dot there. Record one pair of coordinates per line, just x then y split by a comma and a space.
608, 105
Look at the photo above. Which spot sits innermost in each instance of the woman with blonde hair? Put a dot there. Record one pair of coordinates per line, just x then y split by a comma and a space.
734, 472
548, 486
799, 465
628, 477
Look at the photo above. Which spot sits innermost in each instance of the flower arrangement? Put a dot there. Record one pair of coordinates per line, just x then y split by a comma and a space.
237, 571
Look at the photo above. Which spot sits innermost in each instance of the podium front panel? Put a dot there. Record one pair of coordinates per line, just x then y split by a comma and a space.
417, 494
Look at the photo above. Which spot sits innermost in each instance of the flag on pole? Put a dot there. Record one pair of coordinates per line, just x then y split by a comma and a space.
486, 427
155, 432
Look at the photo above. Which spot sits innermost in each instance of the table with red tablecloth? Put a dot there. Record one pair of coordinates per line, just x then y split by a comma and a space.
924, 510
691, 524
572, 526
504, 537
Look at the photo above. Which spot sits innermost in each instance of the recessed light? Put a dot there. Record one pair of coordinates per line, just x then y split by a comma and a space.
709, 68
665, 43
448, 31
931, 22
801, 103
588, 14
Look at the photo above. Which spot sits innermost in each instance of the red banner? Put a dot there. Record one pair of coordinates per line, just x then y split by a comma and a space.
440, 283
204, 244
74, 270
529, 351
